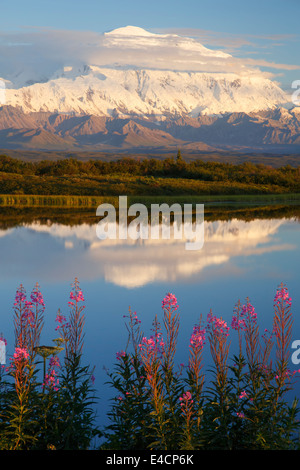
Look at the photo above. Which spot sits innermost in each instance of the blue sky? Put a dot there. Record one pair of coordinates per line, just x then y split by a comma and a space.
258, 30
232, 16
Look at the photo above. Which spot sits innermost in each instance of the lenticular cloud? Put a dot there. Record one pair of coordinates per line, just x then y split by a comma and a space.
36, 55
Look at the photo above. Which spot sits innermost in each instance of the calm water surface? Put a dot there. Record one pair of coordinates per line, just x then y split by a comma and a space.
239, 259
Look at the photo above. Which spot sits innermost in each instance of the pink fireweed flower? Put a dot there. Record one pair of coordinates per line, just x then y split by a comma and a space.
187, 396
120, 354
37, 298
198, 337
28, 314
243, 394
248, 311
51, 381
147, 341
153, 347
54, 361
135, 319
282, 307
218, 325
186, 404
78, 297
60, 318
20, 296
248, 314
20, 354
240, 415
154, 344
62, 321
170, 301
237, 324
282, 296
186, 399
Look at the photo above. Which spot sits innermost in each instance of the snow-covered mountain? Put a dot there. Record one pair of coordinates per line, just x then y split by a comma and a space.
144, 90
123, 93
142, 83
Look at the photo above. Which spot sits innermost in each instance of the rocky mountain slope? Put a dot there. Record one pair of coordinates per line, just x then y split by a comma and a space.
276, 130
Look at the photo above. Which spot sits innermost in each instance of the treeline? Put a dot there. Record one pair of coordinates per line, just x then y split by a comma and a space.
147, 177
177, 167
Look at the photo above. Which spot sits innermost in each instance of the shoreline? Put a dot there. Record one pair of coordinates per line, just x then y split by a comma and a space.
74, 201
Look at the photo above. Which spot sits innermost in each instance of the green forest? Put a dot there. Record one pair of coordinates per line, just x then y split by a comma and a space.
148, 176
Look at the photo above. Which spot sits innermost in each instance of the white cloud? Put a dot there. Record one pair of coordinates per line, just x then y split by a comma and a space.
37, 54
131, 263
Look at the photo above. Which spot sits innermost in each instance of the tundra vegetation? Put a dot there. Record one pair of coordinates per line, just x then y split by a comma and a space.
148, 177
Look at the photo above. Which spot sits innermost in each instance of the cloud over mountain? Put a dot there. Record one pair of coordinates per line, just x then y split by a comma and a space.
35, 55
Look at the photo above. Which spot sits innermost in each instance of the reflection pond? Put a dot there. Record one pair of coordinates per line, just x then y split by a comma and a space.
247, 252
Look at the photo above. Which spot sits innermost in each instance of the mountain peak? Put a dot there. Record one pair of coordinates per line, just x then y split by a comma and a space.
129, 31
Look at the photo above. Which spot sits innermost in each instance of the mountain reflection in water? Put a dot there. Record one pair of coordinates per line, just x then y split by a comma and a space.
63, 251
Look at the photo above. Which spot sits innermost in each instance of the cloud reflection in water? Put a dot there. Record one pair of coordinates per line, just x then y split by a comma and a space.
58, 252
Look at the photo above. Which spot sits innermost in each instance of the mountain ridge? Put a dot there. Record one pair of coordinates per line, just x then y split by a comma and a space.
278, 130
148, 93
